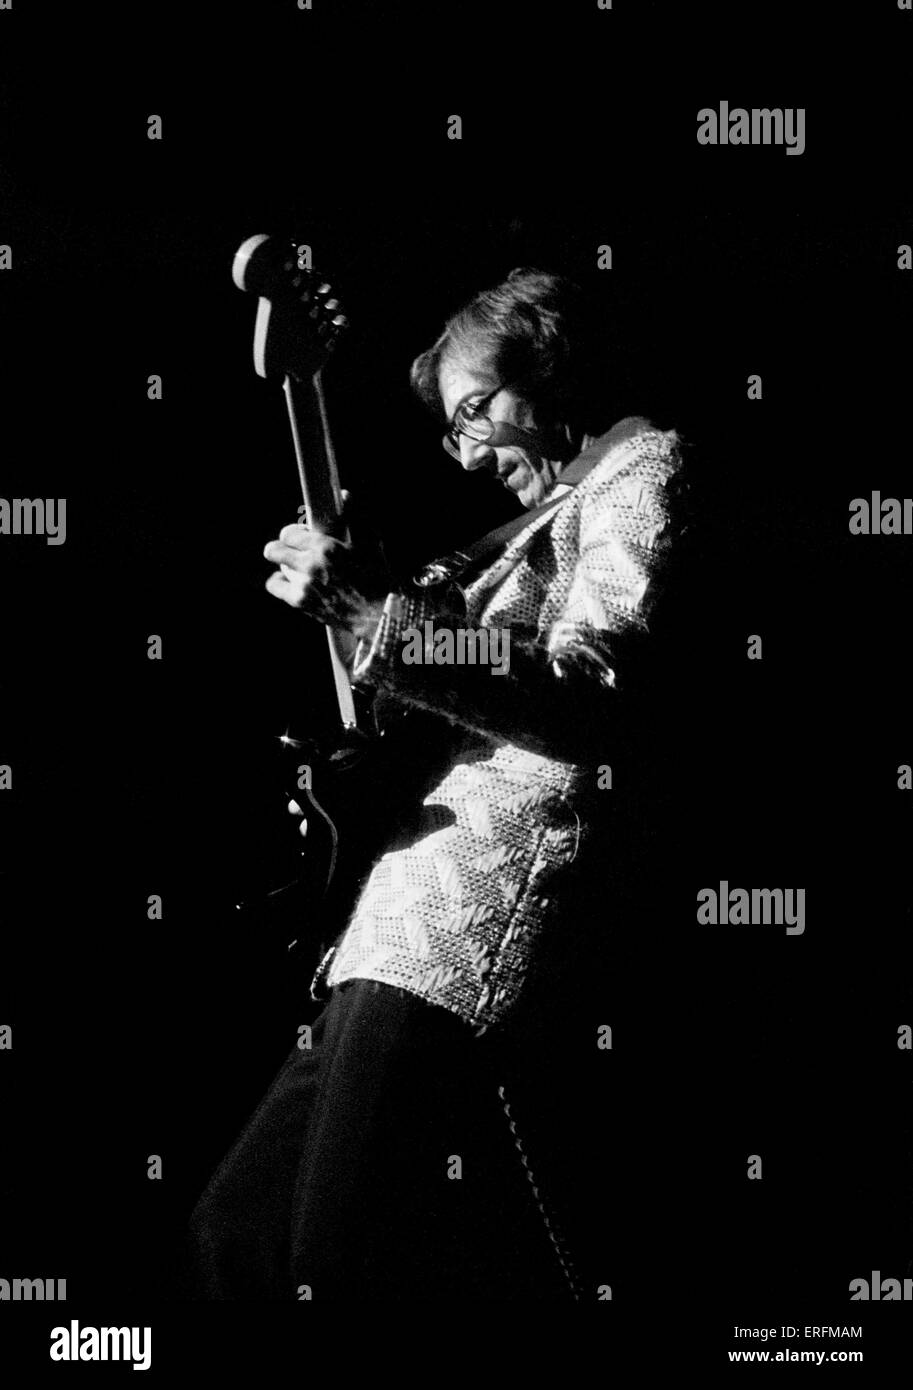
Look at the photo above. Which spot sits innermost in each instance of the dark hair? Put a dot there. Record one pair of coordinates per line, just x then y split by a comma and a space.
532, 332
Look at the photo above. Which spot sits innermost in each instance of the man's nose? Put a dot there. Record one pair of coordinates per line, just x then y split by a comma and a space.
474, 453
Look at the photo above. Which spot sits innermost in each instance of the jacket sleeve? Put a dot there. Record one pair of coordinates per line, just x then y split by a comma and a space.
561, 687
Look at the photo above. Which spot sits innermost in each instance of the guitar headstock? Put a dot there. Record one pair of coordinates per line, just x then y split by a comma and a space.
300, 318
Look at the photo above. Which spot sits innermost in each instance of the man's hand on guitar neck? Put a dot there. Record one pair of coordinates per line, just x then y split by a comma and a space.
336, 583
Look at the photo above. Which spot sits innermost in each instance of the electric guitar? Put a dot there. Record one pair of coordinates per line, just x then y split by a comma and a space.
299, 324
382, 758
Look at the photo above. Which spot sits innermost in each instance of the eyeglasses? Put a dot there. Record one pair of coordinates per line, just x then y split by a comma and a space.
469, 419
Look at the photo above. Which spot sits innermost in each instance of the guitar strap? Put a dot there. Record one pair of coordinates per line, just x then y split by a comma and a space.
464, 566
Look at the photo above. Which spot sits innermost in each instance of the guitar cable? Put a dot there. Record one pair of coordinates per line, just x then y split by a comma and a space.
555, 1237
334, 836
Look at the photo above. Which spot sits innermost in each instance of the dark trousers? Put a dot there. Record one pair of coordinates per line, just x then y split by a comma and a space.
379, 1164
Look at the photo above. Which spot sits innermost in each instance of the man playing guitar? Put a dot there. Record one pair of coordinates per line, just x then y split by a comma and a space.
382, 1162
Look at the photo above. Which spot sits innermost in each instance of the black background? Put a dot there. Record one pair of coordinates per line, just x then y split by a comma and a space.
134, 777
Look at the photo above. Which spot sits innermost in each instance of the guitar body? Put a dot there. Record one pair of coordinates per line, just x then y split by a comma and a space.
362, 801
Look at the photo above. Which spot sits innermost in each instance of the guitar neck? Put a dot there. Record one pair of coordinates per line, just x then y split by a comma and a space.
320, 489
319, 479
298, 324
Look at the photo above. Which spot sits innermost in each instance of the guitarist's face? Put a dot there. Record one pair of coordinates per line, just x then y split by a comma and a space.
524, 453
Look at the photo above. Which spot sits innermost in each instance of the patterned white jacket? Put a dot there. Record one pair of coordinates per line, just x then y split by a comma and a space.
455, 917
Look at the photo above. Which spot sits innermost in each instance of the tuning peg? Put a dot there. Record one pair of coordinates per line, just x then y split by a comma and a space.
340, 321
